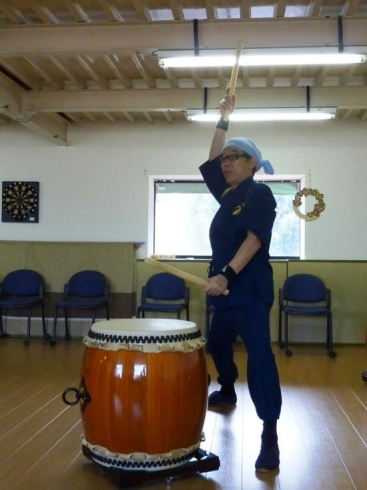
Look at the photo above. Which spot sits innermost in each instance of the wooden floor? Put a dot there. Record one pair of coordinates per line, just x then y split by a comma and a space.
322, 430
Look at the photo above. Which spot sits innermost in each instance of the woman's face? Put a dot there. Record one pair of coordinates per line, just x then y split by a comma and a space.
239, 168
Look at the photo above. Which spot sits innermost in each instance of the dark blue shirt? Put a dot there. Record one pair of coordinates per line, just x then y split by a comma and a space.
248, 207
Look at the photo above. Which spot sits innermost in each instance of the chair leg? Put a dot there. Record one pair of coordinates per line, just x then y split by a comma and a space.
53, 340
187, 313
281, 344
288, 352
2, 334
67, 333
107, 312
330, 345
178, 314
94, 317
28, 338
45, 334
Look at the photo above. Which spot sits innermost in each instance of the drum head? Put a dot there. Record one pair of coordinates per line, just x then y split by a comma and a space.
147, 334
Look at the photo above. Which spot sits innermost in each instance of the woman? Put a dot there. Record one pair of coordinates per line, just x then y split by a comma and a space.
240, 236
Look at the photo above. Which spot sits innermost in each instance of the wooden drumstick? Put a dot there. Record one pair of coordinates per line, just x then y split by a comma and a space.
179, 273
234, 74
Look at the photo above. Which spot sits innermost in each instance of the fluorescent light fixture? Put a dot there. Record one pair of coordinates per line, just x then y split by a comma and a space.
267, 115
213, 60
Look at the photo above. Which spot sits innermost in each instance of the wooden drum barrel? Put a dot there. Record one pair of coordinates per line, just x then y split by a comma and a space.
144, 386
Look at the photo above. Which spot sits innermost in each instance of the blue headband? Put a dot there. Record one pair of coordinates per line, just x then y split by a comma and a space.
251, 149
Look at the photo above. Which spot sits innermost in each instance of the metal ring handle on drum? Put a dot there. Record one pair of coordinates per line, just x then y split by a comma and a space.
69, 402
81, 395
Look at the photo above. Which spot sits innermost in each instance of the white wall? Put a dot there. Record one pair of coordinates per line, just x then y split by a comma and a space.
97, 188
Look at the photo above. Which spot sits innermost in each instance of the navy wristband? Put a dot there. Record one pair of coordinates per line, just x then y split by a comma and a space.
222, 124
228, 273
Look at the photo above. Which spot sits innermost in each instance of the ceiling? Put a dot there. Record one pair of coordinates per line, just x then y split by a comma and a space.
63, 62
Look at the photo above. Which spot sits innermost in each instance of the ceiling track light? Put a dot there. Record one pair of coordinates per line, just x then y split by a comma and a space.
271, 114
213, 61
224, 58
256, 116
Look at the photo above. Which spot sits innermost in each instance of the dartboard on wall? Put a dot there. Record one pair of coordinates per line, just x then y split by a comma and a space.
20, 202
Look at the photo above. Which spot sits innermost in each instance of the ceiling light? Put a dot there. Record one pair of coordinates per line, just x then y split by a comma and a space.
215, 60
315, 114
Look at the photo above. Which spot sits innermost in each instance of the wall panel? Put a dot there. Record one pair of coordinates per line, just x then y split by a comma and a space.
56, 262
347, 281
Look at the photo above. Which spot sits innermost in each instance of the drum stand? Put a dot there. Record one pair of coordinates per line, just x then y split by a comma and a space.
201, 462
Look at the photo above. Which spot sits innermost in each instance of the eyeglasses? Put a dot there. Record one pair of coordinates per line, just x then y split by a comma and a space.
232, 157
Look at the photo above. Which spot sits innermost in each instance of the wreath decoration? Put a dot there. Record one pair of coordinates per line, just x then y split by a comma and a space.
318, 208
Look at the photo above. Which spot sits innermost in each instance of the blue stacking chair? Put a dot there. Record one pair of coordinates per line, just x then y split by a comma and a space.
305, 295
85, 290
23, 288
164, 292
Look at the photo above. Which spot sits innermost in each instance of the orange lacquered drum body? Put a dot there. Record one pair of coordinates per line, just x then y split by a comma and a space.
146, 381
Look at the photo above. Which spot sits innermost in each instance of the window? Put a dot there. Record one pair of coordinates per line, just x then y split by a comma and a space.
184, 209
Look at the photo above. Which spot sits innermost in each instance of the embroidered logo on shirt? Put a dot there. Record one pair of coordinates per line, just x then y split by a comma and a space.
237, 209
226, 192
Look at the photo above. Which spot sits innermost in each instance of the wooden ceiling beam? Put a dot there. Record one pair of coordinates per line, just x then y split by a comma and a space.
110, 10
245, 9
113, 64
320, 77
211, 10
144, 37
348, 74
43, 74
222, 80
198, 81
279, 9
270, 77
138, 60
86, 64
178, 100
314, 8
296, 76
68, 74
348, 113
171, 78
128, 116
168, 116
12, 13
44, 13
18, 72
177, 10
77, 11
141, 10
52, 126
110, 117
350, 7
148, 117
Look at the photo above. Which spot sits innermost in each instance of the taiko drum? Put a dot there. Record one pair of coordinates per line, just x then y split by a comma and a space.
144, 387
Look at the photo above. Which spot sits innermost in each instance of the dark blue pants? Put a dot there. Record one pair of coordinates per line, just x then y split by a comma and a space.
251, 322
